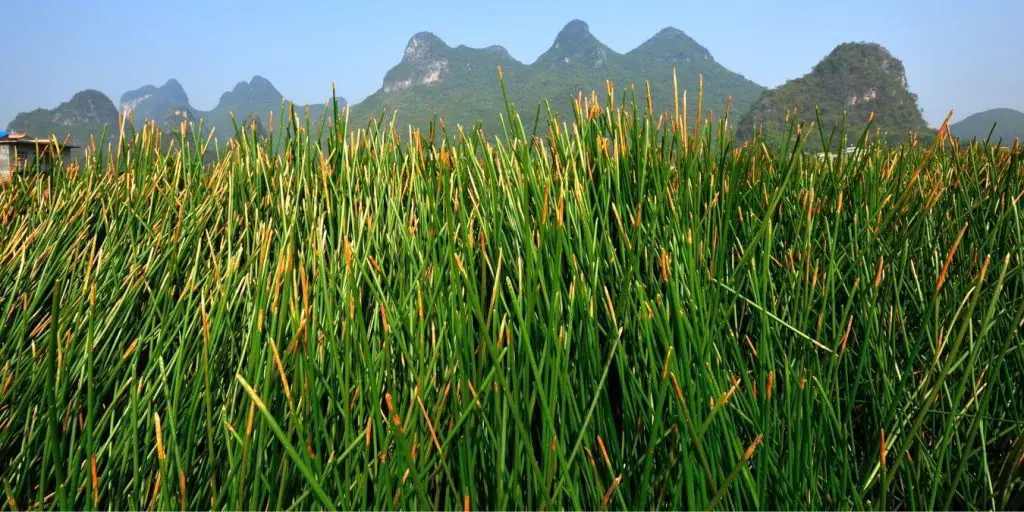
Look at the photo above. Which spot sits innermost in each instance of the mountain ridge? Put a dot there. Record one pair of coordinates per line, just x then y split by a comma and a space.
460, 84
90, 111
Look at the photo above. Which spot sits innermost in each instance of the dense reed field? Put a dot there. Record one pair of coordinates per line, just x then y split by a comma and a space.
620, 310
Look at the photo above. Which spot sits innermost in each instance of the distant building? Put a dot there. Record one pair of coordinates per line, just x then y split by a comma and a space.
19, 151
848, 151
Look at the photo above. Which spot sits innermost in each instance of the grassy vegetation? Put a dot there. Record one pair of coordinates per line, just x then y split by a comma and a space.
626, 312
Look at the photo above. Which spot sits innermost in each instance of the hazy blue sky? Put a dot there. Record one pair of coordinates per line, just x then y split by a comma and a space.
961, 55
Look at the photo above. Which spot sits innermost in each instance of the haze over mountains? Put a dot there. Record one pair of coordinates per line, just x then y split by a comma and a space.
460, 85
168, 105
88, 112
150, 102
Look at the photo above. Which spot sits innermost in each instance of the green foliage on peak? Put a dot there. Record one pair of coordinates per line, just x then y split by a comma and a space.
458, 84
853, 82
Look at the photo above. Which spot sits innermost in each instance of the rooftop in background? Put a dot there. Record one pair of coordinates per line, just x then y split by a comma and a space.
22, 138
42, 142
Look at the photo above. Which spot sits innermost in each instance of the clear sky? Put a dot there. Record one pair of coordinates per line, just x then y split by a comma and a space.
962, 55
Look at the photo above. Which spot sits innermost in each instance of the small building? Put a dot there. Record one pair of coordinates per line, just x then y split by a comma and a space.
19, 151
848, 151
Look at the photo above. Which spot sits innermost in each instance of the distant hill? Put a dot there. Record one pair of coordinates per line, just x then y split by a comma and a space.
460, 84
153, 103
857, 79
257, 96
86, 113
168, 105
89, 111
1009, 125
